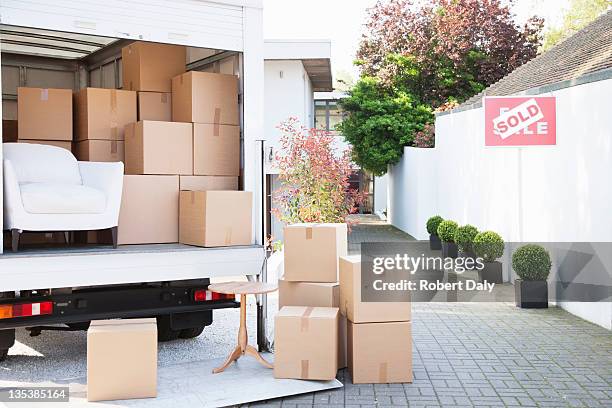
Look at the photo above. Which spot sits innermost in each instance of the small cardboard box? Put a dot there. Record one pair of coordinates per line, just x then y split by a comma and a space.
205, 97
306, 343
44, 114
56, 143
380, 353
216, 218
121, 359
101, 114
155, 106
100, 150
151, 66
216, 150
153, 147
149, 210
204, 183
312, 251
365, 312
9, 131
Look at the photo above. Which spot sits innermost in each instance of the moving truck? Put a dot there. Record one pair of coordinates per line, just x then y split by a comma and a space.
74, 45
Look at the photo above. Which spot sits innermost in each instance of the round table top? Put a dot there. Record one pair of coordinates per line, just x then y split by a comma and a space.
242, 288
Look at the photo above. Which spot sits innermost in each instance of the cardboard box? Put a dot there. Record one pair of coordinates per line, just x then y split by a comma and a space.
342, 341
316, 294
121, 359
205, 97
101, 114
365, 312
204, 183
100, 150
149, 210
216, 218
57, 143
155, 106
44, 114
380, 353
9, 131
150, 66
216, 150
306, 343
153, 147
312, 251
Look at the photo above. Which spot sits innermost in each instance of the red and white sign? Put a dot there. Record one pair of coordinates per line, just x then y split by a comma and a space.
520, 121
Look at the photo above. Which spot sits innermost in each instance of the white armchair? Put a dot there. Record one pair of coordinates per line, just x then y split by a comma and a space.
47, 189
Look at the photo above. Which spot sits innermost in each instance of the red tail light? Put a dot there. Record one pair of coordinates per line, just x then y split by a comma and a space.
26, 310
202, 295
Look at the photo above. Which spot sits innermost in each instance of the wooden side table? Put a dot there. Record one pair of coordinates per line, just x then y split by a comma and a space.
242, 289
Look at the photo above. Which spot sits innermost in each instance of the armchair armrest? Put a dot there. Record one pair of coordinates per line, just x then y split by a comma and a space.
13, 206
106, 177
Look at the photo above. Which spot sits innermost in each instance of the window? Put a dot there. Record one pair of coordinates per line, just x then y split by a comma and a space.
328, 115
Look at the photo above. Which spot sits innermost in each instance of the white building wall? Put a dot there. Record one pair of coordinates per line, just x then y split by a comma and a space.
381, 186
556, 193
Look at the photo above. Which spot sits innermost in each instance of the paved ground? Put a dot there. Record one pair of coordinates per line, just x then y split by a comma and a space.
481, 354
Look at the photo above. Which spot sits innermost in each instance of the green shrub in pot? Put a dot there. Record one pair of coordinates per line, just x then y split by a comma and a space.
464, 236
532, 264
432, 224
488, 245
446, 230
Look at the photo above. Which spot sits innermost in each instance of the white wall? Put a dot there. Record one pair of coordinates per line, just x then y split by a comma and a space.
556, 193
381, 193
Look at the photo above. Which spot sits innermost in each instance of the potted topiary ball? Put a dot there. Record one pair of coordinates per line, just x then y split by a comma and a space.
464, 236
446, 232
432, 229
532, 264
489, 246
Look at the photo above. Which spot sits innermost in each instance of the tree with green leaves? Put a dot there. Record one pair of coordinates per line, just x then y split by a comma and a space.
579, 14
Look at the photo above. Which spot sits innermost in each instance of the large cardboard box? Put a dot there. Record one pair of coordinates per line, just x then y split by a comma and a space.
9, 131
216, 218
100, 150
380, 353
312, 251
205, 97
101, 114
121, 359
149, 210
306, 343
204, 183
153, 147
155, 106
44, 114
365, 312
57, 143
150, 66
216, 150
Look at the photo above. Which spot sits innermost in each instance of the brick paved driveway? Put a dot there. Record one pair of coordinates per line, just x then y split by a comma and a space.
485, 355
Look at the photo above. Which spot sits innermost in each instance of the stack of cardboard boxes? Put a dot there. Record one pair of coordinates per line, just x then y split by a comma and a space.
174, 130
310, 335
379, 334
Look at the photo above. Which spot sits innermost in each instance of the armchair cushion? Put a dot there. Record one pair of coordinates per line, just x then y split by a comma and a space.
57, 198
35, 163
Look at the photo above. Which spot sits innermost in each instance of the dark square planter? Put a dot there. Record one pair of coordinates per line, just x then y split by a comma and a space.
492, 272
531, 294
434, 242
449, 250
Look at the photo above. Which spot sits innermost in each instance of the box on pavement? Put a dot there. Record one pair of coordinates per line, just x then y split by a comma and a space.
216, 150
204, 183
44, 114
100, 150
154, 147
121, 359
101, 114
365, 312
215, 218
155, 106
57, 143
380, 352
205, 97
312, 251
149, 210
9, 131
306, 343
151, 66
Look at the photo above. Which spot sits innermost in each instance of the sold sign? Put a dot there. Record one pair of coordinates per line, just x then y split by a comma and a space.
520, 121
